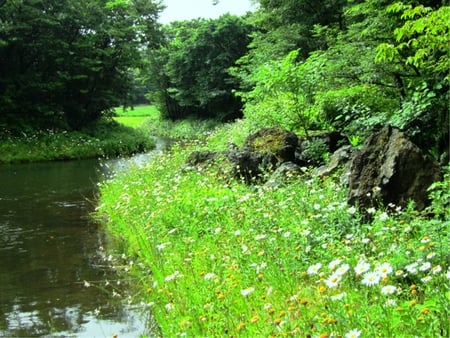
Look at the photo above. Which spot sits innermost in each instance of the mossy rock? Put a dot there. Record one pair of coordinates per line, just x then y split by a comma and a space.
279, 142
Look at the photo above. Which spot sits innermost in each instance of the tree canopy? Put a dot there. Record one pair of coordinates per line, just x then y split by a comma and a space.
64, 63
192, 67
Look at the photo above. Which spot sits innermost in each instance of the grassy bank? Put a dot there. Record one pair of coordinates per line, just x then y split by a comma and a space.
121, 136
216, 258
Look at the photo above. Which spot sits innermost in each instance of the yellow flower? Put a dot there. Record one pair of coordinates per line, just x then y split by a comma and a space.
425, 311
240, 327
330, 321
254, 319
277, 321
304, 301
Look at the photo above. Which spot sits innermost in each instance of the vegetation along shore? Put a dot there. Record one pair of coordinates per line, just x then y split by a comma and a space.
210, 254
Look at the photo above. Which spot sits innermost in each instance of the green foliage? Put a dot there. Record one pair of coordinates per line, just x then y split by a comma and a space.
440, 197
282, 95
422, 41
101, 139
194, 78
289, 261
64, 63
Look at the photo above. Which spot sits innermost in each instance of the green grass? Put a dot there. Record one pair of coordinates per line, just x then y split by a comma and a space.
105, 138
137, 116
131, 121
141, 110
213, 257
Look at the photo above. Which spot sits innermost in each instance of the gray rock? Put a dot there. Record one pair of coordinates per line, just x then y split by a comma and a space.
285, 172
337, 160
391, 169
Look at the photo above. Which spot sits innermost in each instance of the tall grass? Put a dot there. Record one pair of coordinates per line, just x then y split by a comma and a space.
105, 138
214, 257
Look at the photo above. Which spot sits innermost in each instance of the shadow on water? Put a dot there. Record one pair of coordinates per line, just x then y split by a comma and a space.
50, 247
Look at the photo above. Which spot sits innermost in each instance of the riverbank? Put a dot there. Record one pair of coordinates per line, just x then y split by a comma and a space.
215, 257
120, 136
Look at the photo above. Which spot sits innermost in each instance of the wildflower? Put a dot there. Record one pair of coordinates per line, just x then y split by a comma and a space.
267, 306
431, 255
362, 267
287, 234
353, 334
314, 269
424, 240
173, 276
237, 233
86, 284
260, 237
278, 321
351, 210
426, 279
209, 276
383, 216
365, 240
388, 290
371, 278
240, 327
371, 210
161, 246
333, 280
390, 302
436, 269
246, 292
411, 268
339, 296
425, 266
333, 264
342, 270
425, 310
254, 319
330, 320
169, 306
384, 269
447, 275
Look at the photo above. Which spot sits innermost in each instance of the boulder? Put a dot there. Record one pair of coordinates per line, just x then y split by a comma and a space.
281, 143
250, 166
338, 159
197, 158
391, 169
285, 172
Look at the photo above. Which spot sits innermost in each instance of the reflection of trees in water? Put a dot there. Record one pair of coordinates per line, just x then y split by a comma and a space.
51, 248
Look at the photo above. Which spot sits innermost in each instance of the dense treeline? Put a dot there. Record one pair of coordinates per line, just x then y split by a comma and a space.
190, 70
347, 65
65, 63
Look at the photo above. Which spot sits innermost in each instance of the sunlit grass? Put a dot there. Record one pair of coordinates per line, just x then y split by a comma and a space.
106, 138
141, 110
131, 121
214, 257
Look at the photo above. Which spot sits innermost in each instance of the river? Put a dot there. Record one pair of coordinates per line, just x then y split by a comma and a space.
54, 278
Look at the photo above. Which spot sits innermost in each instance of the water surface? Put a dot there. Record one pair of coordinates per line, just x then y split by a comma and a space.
50, 248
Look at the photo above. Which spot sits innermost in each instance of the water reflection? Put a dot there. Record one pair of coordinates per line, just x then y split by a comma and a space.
49, 247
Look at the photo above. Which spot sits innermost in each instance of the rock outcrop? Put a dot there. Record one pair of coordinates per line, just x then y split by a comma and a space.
391, 169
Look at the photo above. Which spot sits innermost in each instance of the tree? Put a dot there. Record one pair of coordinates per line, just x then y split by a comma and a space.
195, 62
67, 62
